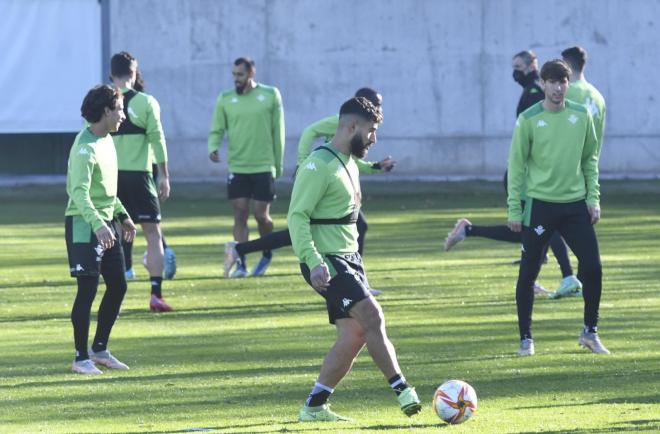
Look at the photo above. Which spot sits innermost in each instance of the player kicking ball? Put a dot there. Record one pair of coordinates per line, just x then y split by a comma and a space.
325, 203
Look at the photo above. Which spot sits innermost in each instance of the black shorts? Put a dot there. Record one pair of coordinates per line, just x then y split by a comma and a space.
86, 256
348, 284
137, 192
257, 186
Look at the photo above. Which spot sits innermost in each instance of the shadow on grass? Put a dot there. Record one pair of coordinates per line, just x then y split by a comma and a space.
619, 427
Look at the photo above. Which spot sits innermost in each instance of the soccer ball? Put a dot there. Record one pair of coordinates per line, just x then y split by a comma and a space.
455, 401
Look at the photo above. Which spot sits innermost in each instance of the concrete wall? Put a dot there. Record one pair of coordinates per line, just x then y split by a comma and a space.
443, 67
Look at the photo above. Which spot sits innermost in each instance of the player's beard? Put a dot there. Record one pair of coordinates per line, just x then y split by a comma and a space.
240, 88
358, 146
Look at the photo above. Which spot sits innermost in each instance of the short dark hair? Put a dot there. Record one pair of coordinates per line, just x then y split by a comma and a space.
97, 99
555, 70
371, 94
361, 107
247, 62
139, 81
576, 57
527, 56
121, 64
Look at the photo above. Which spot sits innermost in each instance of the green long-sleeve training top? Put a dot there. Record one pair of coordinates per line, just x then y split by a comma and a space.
91, 179
554, 155
254, 123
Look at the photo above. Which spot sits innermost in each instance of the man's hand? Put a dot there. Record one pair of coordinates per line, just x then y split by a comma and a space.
515, 226
320, 277
594, 212
387, 164
105, 237
214, 156
163, 188
129, 229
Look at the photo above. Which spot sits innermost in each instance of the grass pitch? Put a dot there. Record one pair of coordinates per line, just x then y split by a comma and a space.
241, 355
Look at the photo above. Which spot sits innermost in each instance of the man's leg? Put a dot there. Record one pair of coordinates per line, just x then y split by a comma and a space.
569, 285
535, 237
271, 241
155, 255
80, 314
339, 360
497, 233
369, 315
112, 269
241, 212
265, 224
580, 236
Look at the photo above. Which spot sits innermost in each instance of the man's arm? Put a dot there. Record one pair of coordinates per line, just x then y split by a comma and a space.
155, 133
279, 136
590, 153
218, 128
308, 189
369, 167
518, 154
326, 128
156, 138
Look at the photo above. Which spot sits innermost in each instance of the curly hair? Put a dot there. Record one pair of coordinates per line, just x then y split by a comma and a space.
97, 99
363, 108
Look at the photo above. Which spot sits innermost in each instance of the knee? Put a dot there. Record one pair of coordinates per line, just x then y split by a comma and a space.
241, 214
373, 318
263, 218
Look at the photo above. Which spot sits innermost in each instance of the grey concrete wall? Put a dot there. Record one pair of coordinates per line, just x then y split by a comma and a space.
443, 67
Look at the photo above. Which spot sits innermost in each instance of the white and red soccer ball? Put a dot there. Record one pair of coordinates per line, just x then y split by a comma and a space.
455, 401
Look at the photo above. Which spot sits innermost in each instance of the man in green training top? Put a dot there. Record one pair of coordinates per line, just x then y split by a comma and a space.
583, 92
253, 118
324, 129
91, 232
324, 206
139, 140
554, 155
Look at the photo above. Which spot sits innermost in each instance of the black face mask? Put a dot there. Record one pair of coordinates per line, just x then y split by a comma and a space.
519, 77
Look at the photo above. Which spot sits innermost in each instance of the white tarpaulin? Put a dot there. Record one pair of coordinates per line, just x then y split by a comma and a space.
51, 56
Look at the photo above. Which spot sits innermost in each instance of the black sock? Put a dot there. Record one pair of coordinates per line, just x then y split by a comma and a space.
398, 384
164, 244
241, 261
268, 254
319, 395
156, 282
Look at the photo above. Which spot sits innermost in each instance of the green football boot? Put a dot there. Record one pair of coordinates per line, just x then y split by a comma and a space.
570, 286
410, 403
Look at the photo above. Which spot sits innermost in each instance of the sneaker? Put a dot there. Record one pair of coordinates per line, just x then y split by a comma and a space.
410, 403
261, 267
540, 290
321, 413
158, 304
375, 292
239, 273
86, 367
108, 360
231, 257
169, 264
526, 347
129, 274
592, 342
570, 286
457, 234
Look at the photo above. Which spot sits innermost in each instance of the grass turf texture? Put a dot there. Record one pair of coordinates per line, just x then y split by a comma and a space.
241, 355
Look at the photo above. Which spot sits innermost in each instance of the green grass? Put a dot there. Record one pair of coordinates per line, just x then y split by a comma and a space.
241, 355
